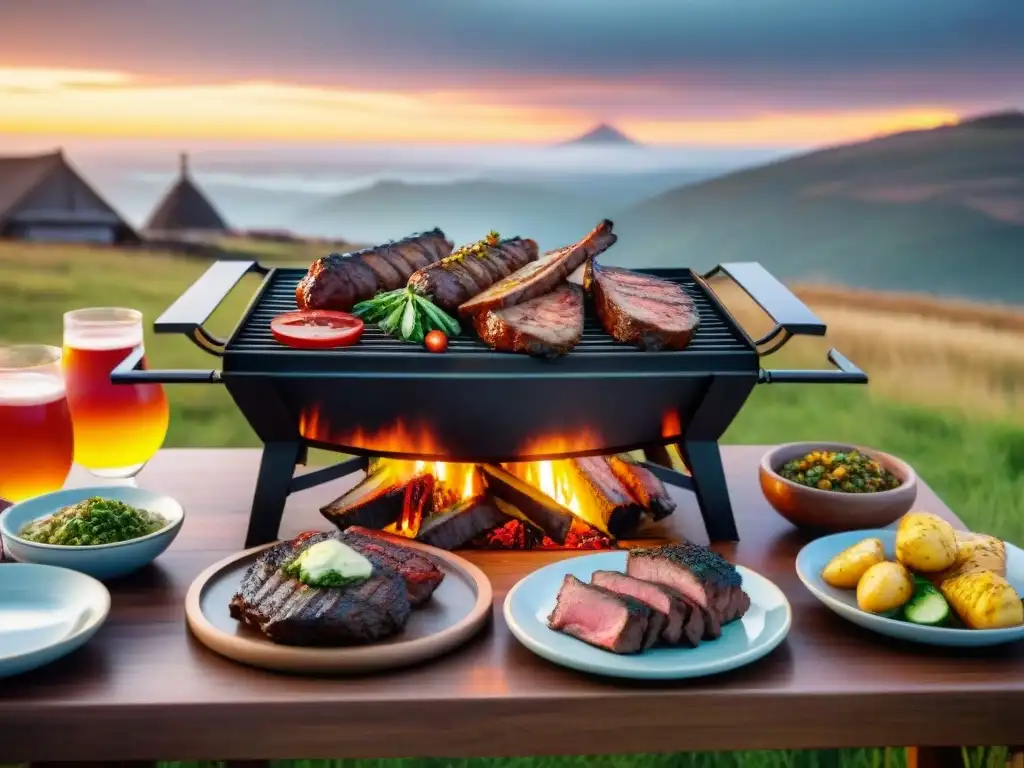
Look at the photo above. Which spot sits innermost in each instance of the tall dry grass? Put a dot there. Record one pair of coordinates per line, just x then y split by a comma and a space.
931, 352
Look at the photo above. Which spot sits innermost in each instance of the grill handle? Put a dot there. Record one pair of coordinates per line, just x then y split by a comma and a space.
197, 303
846, 373
130, 371
791, 316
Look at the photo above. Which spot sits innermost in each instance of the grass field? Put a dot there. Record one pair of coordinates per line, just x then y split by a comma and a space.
947, 386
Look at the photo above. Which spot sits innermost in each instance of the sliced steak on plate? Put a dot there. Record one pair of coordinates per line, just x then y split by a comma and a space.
641, 310
657, 597
600, 617
543, 276
420, 574
547, 326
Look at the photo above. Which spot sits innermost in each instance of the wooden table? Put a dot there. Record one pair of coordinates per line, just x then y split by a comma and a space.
144, 689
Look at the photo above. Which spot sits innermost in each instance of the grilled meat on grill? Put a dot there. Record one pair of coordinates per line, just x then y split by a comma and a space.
641, 310
547, 326
292, 613
541, 277
699, 574
339, 281
420, 574
471, 270
657, 597
602, 618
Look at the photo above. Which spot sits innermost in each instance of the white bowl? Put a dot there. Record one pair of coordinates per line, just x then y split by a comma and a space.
102, 561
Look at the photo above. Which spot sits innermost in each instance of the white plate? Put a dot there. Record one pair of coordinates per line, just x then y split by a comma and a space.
815, 556
46, 613
758, 633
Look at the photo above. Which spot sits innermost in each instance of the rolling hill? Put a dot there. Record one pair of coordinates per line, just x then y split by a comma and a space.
603, 134
939, 211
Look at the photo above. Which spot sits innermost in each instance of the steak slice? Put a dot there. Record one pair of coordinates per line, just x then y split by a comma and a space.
600, 617
699, 574
292, 613
420, 574
658, 598
547, 326
641, 310
540, 277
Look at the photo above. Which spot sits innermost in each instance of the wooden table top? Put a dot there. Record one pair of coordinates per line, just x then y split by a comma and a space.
144, 689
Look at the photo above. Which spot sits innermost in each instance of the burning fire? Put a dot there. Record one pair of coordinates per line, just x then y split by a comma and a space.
394, 438
671, 425
553, 479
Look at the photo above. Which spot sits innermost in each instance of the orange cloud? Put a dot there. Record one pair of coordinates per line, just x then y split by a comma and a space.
97, 103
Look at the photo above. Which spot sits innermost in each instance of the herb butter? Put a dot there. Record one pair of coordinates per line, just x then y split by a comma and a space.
329, 564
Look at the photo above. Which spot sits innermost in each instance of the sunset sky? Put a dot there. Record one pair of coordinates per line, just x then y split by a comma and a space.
716, 72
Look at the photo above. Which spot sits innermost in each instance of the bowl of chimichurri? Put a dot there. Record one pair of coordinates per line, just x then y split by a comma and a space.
105, 532
836, 486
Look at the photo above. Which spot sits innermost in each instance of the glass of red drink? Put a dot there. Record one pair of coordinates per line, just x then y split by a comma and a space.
36, 442
118, 427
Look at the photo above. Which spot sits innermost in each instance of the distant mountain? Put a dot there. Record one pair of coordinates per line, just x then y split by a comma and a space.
938, 211
603, 134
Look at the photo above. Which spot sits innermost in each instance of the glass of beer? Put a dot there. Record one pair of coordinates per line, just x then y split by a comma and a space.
118, 427
36, 441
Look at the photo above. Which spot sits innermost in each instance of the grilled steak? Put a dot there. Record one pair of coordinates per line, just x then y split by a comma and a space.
642, 310
600, 617
471, 270
547, 326
339, 281
704, 577
419, 572
696, 626
292, 613
541, 277
656, 597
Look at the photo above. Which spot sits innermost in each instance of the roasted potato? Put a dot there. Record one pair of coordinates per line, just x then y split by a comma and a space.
978, 552
845, 569
884, 587
984, 600
925, 543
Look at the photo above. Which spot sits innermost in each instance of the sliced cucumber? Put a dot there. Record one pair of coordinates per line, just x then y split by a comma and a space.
927, 606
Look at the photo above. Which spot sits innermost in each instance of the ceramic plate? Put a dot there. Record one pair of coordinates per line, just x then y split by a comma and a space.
814, 556
46, 613
758, 633
458, 609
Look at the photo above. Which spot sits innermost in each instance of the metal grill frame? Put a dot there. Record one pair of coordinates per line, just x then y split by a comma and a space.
705, 384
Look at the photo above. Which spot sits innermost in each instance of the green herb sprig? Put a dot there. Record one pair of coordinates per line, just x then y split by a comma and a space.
406, 315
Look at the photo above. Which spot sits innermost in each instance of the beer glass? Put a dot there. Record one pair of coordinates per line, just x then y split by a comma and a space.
36, 442
118, 427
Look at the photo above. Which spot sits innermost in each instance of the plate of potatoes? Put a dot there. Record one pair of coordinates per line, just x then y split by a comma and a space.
920, 580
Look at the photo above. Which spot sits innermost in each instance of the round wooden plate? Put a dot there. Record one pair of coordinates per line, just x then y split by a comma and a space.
456, 611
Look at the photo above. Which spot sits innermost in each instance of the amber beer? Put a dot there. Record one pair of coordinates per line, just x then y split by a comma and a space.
118, 427
36, 443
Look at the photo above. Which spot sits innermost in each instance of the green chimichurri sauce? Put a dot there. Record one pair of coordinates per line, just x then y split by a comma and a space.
91, 522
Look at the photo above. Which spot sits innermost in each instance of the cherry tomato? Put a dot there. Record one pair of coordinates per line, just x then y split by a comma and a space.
316, 329
436, 341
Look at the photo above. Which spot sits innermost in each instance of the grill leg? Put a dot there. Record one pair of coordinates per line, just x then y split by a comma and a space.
704, 458
272, 488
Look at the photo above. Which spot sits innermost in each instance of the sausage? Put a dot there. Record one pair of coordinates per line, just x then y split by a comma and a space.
340, 281
471, 270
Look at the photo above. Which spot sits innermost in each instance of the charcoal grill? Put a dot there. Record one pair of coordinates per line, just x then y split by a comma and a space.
382, 397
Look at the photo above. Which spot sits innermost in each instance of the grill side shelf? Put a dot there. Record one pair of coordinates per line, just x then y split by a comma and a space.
194, 307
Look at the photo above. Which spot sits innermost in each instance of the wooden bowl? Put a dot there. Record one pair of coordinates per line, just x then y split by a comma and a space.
833, 510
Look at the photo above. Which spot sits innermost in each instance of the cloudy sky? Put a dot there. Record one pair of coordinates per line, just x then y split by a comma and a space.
722, 72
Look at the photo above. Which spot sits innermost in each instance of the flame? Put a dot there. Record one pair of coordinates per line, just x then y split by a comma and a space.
553, 479
560, 444
397, 437
671, 425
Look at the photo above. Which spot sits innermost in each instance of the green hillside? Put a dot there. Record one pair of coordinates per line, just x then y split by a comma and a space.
940, 211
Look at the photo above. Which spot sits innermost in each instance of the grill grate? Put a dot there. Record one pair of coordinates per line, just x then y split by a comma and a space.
717, 345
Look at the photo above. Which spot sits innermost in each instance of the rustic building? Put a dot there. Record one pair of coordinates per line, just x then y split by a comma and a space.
43, 198
185, 210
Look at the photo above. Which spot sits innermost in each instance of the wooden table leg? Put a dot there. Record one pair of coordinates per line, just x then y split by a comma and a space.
935, 757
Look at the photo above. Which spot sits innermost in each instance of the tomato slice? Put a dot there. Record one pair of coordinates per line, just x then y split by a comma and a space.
316, 329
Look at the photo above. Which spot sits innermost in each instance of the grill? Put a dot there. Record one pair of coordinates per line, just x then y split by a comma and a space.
385, 398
